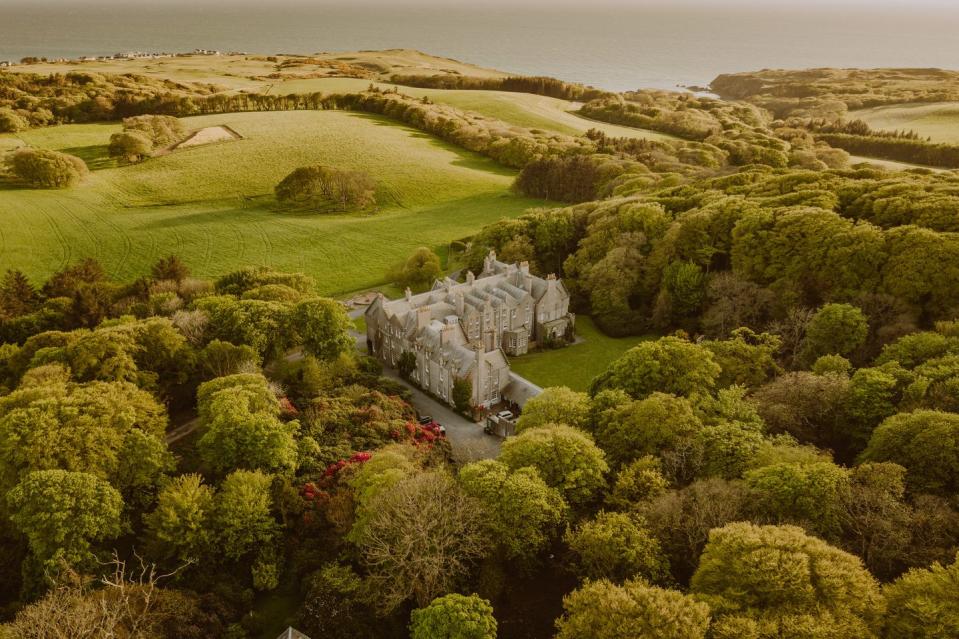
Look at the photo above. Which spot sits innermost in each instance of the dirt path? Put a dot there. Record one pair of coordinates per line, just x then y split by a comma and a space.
182, 430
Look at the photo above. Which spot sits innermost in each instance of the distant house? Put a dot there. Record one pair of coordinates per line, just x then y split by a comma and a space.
465, 330
5, 63
292, 633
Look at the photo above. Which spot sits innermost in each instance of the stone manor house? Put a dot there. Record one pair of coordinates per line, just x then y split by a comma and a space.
466, 330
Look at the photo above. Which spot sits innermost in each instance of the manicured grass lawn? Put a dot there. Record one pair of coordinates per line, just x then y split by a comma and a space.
938, 121
359, 324
574, 366
213, 205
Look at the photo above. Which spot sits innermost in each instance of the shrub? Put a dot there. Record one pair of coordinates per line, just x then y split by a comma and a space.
11, 121
130, 146
161, 130
326, 188
46, 169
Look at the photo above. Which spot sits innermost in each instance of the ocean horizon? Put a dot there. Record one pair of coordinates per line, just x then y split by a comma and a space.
617, 48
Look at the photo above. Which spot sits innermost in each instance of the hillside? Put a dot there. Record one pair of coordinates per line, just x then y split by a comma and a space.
938, 121
213, 205
254, 72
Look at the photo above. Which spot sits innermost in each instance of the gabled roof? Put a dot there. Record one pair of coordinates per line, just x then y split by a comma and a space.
292, 633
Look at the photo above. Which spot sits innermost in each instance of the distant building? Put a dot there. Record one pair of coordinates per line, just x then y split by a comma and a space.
6, 63
292, 633
465, 330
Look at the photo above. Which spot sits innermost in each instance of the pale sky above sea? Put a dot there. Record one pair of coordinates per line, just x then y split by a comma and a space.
613, 44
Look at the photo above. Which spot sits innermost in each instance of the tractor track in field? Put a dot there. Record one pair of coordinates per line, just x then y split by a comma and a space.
84, 228
61, 239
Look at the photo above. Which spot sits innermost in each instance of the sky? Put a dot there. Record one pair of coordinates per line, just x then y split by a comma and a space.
784, 4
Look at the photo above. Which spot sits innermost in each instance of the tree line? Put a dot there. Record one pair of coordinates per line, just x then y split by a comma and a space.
538, 85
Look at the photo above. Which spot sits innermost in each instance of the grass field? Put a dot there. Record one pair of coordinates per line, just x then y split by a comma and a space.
938, 121
213, 205
574, 366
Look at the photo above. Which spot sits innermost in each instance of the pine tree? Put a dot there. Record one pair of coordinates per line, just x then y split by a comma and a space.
17, 295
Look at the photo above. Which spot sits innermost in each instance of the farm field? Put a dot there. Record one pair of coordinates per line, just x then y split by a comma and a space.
519, 109
213, 205
574, 366
938, 121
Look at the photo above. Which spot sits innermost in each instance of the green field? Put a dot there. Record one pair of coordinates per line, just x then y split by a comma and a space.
574, 366
938, 121
213, 205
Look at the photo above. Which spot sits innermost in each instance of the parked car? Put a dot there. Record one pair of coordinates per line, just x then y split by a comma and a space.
505, 414
425, 419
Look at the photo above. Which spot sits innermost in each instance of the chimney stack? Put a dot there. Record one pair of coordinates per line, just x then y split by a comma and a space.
470, 278
422, 317
489, 262
446, 333
409, 294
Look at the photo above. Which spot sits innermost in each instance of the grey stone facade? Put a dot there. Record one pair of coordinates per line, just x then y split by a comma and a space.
466, 330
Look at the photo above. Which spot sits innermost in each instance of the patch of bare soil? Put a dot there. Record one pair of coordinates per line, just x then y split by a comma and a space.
208, 135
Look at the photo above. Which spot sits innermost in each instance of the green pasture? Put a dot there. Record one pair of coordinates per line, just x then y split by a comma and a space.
938, 121
213, 205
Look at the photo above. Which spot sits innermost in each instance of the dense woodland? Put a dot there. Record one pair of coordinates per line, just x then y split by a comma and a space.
819, 99
779, 460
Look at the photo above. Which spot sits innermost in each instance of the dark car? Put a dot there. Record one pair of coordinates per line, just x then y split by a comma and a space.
425, 419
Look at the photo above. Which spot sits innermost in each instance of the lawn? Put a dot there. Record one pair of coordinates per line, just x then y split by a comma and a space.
213, 205
938, 121
574, 366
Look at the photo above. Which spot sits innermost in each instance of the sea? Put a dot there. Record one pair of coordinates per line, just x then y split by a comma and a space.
615, 47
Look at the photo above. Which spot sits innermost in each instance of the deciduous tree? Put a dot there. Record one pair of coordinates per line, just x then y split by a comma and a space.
522, 512
922, 604
454, 616
62, 513
635, 610
616, 546
766, 579
566, 459
555, 405
925, 443
427, 507
668, 365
